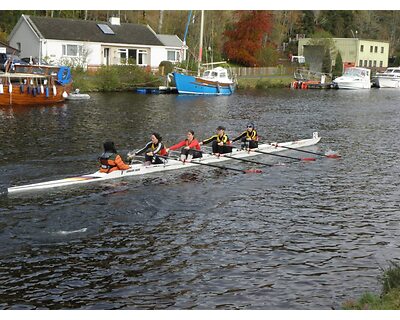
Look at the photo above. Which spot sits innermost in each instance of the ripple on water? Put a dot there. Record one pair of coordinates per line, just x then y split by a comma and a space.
297, 236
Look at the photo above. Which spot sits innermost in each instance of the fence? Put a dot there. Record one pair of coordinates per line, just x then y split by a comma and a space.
262, 71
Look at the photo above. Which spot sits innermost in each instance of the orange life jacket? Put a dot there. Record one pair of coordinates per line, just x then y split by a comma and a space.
111, 162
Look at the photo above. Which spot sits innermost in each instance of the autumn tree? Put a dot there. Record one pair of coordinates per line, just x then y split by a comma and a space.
247, 36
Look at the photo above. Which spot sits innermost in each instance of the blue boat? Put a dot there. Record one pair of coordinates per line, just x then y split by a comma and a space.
213, 82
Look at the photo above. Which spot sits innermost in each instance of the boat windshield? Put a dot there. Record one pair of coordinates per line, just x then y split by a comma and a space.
355, 72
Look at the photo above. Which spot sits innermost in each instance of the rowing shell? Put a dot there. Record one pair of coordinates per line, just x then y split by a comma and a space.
171, 164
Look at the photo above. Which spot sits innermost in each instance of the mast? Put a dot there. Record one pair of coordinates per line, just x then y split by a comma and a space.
201, 42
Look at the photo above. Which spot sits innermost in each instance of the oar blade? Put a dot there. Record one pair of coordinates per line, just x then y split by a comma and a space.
253, 171
308, 159
333, 156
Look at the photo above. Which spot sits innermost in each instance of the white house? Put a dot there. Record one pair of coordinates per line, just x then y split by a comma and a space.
93, 43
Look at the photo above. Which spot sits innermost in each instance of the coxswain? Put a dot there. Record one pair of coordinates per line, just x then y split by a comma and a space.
190, 147
110, 160
153, 149
249, 138
220, 142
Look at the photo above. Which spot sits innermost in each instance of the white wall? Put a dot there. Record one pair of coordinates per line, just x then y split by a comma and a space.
28, 39
157, 55
53, 50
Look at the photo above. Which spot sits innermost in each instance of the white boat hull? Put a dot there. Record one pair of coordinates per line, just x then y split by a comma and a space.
140, 169
353, 85
385, 82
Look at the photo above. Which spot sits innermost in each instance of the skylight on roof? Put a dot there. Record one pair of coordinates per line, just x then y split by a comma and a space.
105, 28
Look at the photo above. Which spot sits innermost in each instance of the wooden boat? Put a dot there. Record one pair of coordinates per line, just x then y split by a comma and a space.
170, 164
35, 85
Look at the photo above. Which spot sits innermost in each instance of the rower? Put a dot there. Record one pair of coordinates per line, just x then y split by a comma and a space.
249, 138
220, 142
190, 147
110, 160
153, 149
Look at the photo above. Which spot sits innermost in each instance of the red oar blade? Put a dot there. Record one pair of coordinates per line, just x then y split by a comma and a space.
253, 171
307, 159
333, 156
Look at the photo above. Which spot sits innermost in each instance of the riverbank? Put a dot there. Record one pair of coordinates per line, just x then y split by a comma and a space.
265, 82
388, 299
114, 78
125, 78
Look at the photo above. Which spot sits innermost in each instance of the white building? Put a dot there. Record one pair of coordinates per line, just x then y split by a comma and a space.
93, 43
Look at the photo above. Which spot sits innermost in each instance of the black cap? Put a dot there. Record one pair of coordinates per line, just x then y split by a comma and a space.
109, 146
221, 128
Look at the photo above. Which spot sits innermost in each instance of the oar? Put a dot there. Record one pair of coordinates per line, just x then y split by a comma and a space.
219, 167
280, 155
333, 156
227, 168
239, 159
247, 160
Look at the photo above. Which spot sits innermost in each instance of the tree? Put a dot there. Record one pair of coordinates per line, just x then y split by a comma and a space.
326, 61
247, 36
338, 68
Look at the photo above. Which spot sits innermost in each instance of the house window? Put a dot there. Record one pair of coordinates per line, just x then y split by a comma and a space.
382, 49
360, 63
370, 63
362, 48
19, 46
142, 57
376, 49
374, 63
371, 49
122, 56
171, 55
381, 64
132, 56
71, 50
365, 63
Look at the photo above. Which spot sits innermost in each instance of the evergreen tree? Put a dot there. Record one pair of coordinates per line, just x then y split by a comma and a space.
326, 61
338, 68
308, 23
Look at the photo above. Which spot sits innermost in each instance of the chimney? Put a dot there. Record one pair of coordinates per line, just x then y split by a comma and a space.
115, 21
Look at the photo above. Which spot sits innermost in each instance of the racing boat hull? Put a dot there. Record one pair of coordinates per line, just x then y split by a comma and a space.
170, 164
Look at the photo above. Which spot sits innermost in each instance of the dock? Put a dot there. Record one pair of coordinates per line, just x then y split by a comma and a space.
157, 90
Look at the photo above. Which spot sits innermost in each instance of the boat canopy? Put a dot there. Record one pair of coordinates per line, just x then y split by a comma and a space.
357, 72
216, 73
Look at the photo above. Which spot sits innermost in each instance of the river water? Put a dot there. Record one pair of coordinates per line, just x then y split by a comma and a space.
300, 235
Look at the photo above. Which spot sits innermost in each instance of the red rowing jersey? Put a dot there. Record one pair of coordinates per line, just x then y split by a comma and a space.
185, 143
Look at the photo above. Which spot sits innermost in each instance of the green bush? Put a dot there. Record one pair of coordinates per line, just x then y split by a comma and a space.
165, 67
114, 78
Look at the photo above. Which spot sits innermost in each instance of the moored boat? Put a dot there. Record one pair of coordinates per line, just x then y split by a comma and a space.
354, 78
171, 164
390, 78
31, 85
77, 96
214, 81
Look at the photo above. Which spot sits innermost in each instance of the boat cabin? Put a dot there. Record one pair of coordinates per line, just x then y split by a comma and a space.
217, 74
